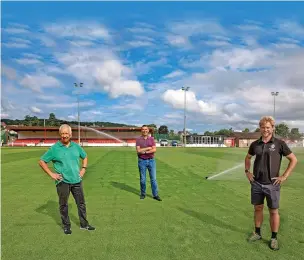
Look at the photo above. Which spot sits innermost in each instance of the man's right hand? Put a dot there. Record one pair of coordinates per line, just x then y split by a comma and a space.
56, 176
250, 176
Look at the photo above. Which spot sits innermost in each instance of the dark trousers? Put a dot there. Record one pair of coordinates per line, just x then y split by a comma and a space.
63, 191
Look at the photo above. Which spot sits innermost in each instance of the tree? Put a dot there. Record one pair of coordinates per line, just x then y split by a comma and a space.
208, 133
282, 130
28, 120
163, 129
171, 133
294, 134
152, 126
246, 130
35, 121
52, 116
52, 121
257, 130
225, 132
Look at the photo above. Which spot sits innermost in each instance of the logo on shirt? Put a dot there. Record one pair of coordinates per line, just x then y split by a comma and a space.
272, 148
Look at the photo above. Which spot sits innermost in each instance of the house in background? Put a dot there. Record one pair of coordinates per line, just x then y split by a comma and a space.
245, 139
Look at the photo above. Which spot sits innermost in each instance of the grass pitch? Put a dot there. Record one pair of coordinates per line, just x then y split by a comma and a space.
197, 219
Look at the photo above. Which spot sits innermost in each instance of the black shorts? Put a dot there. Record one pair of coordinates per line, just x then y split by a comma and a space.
260, 191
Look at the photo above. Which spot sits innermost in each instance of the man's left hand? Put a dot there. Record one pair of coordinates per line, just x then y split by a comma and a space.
82, 172
279, 180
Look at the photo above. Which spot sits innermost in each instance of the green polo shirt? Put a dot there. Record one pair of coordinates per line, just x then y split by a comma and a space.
65, 161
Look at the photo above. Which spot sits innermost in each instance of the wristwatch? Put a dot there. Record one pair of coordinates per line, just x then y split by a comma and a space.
246, 170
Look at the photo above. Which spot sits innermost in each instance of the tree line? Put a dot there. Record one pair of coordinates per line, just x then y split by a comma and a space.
281, 129
52, 120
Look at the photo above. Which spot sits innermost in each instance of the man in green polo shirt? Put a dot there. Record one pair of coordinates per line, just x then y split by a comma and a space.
65, 156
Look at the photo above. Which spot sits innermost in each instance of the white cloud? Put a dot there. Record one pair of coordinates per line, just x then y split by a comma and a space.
7, 105
241, 58
95, 112
250, 27
38, 82
129, 107
71, 105
15, 30
49, 69
19, 40
289, 40
216, 43
47, 98
124, 87
82, 43
174, 74
4, 115
174, 115
143, 30
19, 25
144, 38
101, 70
87, 30
286, 45
72, 117
47, 41
291, 28
16, 45
137, 44
250, 41
176, 99
32, 55
35, 110
28, 61
195, 27
178, 40
8, 72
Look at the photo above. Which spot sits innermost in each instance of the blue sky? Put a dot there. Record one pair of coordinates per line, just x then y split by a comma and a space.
134, 57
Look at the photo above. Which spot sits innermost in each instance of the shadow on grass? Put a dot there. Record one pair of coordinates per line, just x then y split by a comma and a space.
128, 188
51, 209
210, 220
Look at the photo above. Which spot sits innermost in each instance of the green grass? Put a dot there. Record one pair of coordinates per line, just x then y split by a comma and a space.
197, 219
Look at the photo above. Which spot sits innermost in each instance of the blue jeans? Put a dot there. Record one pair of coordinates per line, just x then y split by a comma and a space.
143, 165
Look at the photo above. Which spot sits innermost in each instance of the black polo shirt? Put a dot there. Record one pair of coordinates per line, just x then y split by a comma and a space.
268, 158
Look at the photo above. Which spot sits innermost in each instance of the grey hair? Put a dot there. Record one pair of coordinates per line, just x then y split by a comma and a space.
65, 126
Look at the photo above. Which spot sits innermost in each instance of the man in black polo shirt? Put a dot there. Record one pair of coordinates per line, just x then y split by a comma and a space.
265, 180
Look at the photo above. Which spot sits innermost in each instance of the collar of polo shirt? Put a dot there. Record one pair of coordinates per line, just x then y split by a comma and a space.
270, 141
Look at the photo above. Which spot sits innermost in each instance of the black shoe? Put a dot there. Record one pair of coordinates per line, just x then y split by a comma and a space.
67, 231
157, 198
88, 227
142, 197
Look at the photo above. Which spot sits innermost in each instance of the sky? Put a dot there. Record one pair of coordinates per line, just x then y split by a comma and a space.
133, 58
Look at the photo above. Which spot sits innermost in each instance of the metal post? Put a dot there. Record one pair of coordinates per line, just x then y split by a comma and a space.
80, 85
185, 139
185, 89
274, 94
44, 129
78, 119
